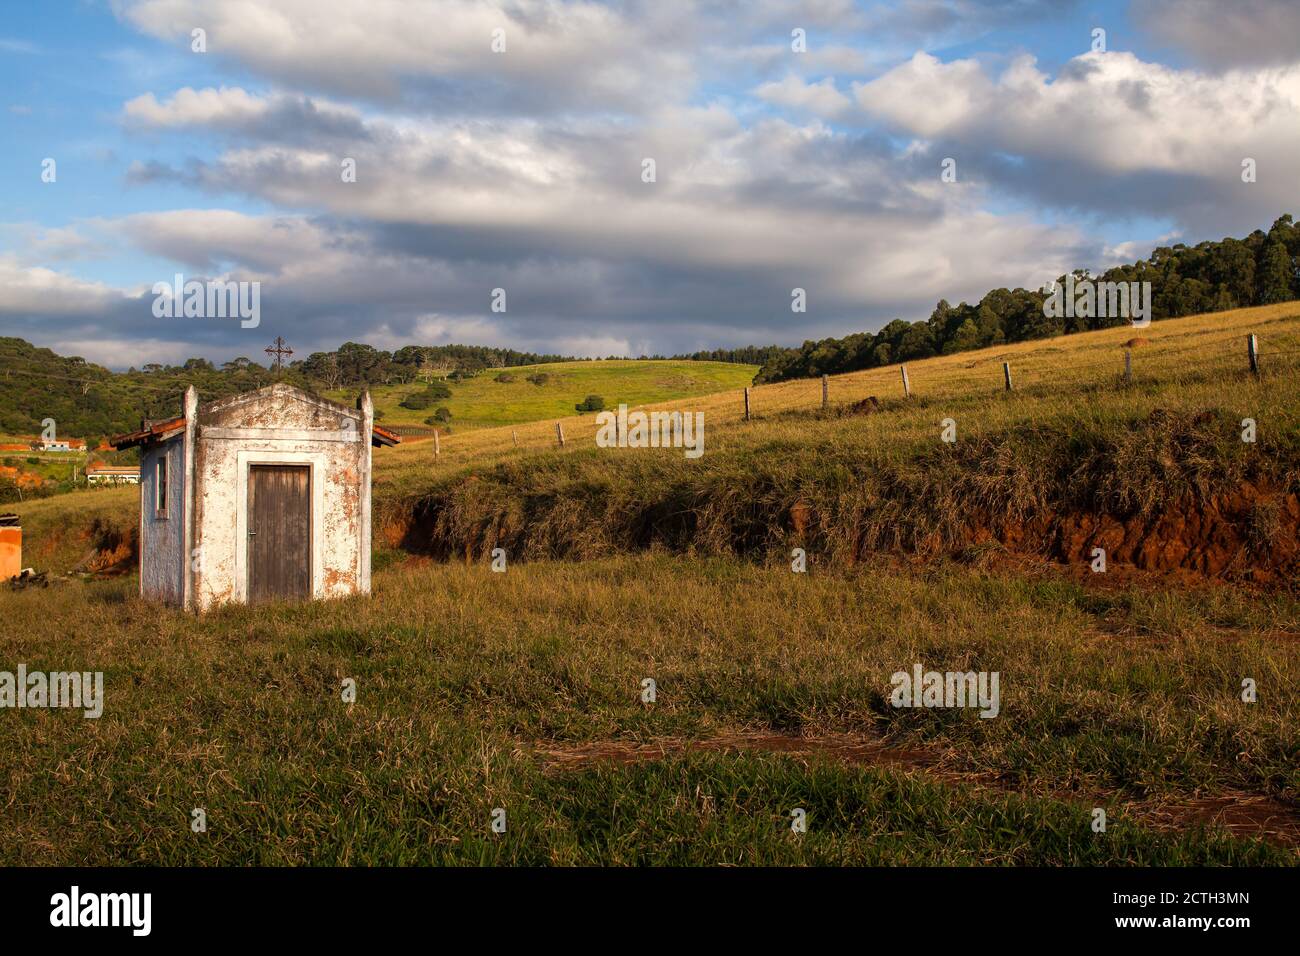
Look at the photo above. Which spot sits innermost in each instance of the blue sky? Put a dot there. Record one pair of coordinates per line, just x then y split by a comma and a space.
522, 169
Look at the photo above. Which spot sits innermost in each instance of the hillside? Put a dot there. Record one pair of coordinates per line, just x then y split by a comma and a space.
507, 396
1073, 446
90, 401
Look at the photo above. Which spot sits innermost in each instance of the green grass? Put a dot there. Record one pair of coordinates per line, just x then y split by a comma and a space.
483, 401
66, 532
49, 465
1127, 700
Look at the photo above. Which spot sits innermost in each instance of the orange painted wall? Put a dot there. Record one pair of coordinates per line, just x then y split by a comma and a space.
11, 552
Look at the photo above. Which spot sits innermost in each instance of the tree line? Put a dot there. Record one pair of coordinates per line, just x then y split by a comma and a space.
1260, 269
356, 364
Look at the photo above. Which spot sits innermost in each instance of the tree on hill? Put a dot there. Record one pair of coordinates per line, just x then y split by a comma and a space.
1261, 269
416, 401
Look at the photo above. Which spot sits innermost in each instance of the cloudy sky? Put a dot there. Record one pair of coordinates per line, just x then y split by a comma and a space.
523, 169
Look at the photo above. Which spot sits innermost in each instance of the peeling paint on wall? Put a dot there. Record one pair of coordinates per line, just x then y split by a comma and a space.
275, 425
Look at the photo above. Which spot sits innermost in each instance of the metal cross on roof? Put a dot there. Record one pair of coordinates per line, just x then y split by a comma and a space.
279, 350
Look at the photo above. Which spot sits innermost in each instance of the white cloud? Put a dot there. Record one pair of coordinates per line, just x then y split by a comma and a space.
207, 239
18, 46
39, 291
124, 353
1111, 135
227, 106
1111, 111
821, 98
33, 244
566, 52
1248, 33
926, 96
523, 170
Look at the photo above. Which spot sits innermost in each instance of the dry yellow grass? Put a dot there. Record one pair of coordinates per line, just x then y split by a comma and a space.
1051, 372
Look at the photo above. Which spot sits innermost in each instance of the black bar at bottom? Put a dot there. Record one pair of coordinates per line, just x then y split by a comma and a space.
334, 905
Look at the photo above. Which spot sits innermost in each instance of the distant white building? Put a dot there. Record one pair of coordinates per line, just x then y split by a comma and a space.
257, 497
61, 444
106, 475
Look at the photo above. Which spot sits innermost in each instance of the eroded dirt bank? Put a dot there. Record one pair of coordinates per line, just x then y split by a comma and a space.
1250, 534
1171, 491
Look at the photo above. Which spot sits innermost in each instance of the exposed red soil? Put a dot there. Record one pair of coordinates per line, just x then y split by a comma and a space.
23, 479
113, 550
1251, 534
800, 517
117, 559
394, 532
1241, 814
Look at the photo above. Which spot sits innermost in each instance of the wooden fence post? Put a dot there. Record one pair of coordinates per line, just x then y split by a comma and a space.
907, 386
1128, 365
826, 391
746, 404
559, 433
437, 445
1006, 374
1252, 350
515, 435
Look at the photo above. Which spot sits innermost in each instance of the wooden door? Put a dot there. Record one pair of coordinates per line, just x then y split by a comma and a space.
279, 533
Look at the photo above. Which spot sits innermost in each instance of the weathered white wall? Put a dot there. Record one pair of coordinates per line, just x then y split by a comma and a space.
162, 538
281, 426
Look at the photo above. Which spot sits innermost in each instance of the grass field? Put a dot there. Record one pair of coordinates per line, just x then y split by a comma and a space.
1183, 362
522, 690
69, 532
483, 401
